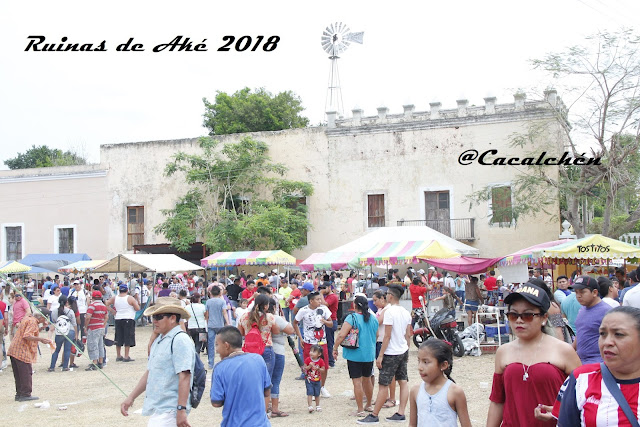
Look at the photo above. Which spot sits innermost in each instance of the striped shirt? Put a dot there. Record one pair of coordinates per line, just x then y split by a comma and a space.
20, 348
584, 399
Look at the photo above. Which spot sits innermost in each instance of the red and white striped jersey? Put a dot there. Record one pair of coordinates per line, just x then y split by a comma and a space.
584, 400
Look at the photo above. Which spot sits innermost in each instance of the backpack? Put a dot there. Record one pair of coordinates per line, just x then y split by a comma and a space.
253, 342
63, 324
199, 378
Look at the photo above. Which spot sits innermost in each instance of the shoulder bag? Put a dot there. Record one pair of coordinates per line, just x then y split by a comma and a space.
352, 340
615, 391
202, 332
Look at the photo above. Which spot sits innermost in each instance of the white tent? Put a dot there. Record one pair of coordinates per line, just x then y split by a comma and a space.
137, 263
400, 234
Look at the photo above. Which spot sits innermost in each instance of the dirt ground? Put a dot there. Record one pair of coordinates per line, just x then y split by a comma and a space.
91, 399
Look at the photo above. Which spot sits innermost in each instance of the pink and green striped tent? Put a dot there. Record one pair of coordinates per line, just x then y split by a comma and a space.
406, 252
222, 259
331, 261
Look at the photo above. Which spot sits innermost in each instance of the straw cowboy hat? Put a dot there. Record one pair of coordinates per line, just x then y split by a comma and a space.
167, 305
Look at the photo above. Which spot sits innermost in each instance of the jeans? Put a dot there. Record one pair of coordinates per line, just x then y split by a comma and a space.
29, 295
278, 370
286, 312
460, 295
269, 359
330, 340
211, 345
60, 341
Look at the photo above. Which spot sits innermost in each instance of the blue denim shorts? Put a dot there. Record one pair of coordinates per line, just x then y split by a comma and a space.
313, 387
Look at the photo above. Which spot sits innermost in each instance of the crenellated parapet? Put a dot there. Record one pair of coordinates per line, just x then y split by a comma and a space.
464, 114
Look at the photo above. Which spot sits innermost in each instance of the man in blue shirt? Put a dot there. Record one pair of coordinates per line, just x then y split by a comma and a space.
240, 382
172, 359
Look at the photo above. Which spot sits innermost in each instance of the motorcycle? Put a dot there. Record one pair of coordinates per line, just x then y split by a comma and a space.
442, 325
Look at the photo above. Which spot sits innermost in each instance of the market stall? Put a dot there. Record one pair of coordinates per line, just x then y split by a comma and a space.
222, 259
330, 261
406, 252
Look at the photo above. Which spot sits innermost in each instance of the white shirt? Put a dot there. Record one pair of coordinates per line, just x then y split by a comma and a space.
197, 320
632, 297
82, 300
53, 300
449, 282
613, 303
399, 318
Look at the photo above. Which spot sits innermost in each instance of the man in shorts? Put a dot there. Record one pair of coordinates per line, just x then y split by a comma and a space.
126, 307
315, 318
394, 356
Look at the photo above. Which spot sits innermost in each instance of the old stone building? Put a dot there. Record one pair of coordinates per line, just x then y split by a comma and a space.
367, 172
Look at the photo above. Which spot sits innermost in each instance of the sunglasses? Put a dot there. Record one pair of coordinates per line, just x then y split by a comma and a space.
527, 317
160, 316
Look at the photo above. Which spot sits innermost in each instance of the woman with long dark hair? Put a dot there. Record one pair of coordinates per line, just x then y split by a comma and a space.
266, 323
279, 346
360, 360
530, 370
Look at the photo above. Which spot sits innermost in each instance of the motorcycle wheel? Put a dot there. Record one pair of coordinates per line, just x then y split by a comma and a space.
458, 346
419, 339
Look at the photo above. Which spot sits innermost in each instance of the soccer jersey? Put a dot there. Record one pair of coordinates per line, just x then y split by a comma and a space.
586, 400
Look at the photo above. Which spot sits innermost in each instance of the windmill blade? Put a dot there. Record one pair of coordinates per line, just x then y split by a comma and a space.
354, 37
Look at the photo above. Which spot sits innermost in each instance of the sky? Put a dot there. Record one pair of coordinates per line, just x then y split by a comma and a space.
414, 52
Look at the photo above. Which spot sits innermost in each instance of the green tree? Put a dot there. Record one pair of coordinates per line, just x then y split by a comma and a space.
43, 157
247, 111
237, 200
605, 74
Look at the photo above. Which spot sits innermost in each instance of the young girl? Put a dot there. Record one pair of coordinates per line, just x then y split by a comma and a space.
437, 401
241, 309
314, 368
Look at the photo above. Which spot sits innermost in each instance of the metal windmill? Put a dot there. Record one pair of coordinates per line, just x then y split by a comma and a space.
336, 38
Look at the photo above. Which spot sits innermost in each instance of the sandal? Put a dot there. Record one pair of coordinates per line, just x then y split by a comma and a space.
311, 409
389, 403
279, 414
360, 414
318, 409
368, 409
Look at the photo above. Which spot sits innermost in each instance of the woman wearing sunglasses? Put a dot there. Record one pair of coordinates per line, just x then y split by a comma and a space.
530, 370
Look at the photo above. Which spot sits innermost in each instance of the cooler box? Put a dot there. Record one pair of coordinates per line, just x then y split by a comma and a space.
492, 330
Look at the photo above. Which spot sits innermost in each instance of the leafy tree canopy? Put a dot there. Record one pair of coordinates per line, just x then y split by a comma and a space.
247, 111
237, 200
604, 75
42, 157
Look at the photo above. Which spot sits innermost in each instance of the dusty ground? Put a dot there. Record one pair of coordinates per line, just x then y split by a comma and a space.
92, 400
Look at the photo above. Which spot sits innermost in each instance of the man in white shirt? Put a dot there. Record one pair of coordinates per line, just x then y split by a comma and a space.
609, 291
394, 356
449, 282
83, 300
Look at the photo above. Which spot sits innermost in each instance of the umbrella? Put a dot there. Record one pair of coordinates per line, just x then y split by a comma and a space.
591, 247
14, 267
82, 266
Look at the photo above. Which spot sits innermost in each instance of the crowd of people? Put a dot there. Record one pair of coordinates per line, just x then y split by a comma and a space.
571, 344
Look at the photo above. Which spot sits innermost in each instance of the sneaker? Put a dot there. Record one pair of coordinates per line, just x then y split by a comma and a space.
324, 393
369, 419
51, 370
128, 359
91, 368
65, 369
396, 418
73, 365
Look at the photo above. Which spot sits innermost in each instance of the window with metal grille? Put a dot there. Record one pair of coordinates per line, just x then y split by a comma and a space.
13, 243
502, 210
375, 211
135, 226
65, 240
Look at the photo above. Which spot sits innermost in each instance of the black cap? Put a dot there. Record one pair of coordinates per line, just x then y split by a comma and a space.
532, 293
584, 282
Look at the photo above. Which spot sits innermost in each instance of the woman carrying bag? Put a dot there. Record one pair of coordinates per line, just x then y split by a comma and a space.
66, 329
197, 323
359, 349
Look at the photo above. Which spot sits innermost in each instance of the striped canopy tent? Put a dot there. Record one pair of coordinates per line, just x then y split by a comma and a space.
221, 259
82, 266
12, 267
406, 252
529, 255
330, 261
594, 247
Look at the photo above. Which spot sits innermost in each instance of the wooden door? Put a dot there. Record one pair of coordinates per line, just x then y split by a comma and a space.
437, 212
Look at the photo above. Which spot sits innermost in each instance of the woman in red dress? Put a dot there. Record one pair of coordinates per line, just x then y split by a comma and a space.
530, 370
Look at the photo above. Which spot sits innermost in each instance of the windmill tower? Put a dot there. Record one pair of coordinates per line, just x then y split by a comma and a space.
336, 38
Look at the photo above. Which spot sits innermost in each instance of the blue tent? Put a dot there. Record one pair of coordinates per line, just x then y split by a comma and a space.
63, 259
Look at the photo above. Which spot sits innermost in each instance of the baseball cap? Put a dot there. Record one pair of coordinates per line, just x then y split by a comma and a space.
282, 274
232, 276
432, 268
308, 287
76, 281
421, 271
123, 288
584, 282
260, 274
275, 270
532, 293
96, 294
